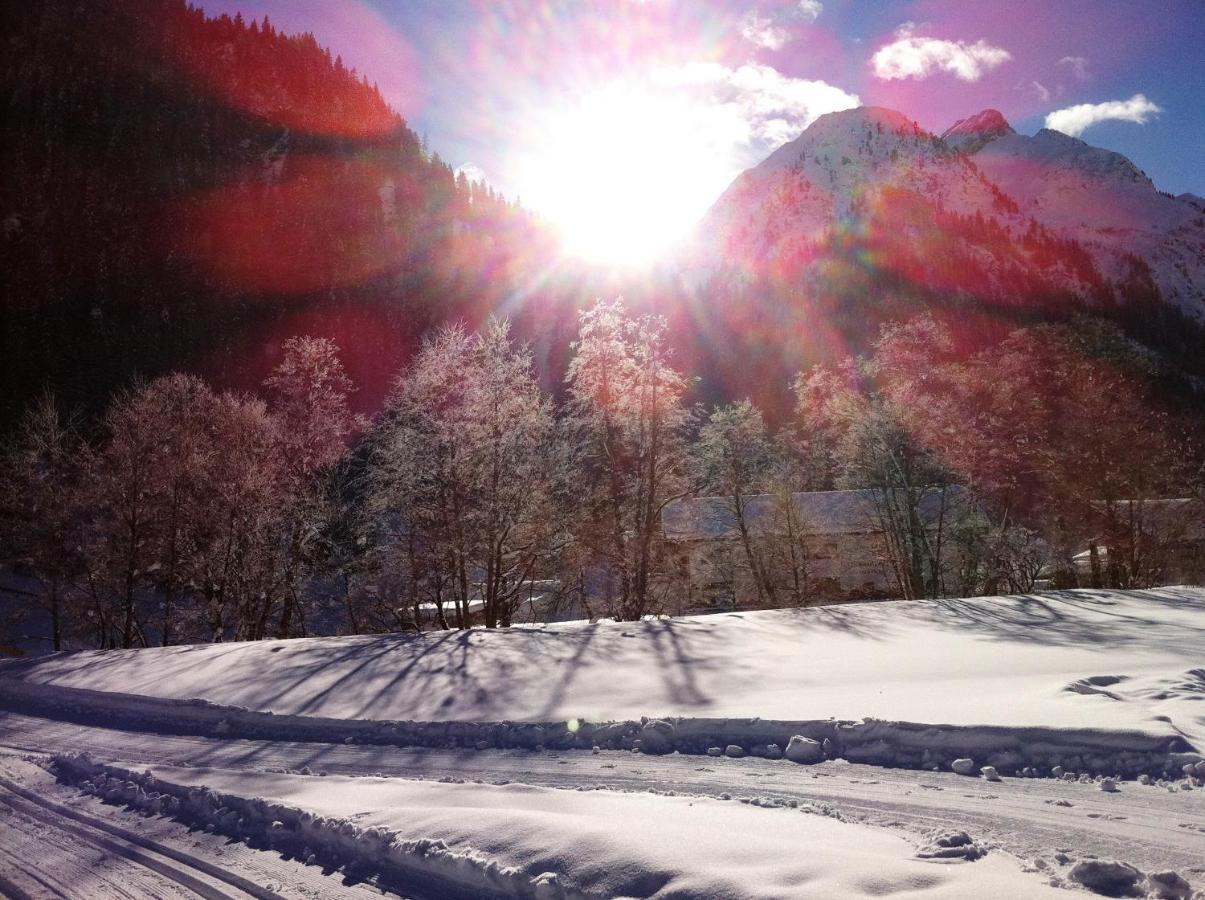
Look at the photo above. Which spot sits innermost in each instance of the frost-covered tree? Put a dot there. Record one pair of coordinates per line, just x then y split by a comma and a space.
627, 400
237, 571
181, 409
309, 395
463, 469
41, 507
735, 458
859, 414
151, 482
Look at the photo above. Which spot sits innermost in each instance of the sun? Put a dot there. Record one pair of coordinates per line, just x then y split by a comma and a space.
622, 172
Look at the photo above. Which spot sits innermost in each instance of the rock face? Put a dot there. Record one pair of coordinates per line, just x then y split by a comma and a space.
804, 750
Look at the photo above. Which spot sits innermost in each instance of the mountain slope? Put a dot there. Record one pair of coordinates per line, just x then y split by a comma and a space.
1106, 203
866, 218
973, 132
182, 191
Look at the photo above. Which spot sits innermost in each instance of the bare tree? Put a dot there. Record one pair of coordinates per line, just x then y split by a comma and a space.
309, 393
628, 402
464, 467
41, 508
734, 456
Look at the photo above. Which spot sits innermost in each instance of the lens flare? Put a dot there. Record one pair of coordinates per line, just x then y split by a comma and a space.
622, 172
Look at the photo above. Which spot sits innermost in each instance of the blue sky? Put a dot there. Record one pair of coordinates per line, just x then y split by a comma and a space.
486, 81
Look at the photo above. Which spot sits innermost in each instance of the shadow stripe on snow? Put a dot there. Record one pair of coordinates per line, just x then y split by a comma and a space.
906, 745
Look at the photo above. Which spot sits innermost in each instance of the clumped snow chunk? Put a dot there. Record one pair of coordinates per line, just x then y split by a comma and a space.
801, 749
952, 845
1108, 877
657, 736
1169, 886
989, 773
734, 750
963, 766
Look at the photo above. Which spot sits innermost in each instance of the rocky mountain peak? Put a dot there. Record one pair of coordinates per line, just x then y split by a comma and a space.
974, 132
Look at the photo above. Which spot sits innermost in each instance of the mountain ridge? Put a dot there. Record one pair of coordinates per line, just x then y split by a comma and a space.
842, 163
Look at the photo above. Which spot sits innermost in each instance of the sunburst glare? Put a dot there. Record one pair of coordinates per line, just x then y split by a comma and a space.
618, 171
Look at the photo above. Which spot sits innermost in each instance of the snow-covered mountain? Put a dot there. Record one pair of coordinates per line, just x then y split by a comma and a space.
973, 132
980, 212
1105, 202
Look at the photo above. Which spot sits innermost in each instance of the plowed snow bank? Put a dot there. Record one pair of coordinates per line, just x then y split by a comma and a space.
521, 841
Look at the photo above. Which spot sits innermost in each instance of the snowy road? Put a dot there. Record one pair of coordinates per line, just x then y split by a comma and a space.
1033, 819
55, 843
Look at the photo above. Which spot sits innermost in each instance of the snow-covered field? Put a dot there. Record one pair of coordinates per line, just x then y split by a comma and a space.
1097, 682
1107, 662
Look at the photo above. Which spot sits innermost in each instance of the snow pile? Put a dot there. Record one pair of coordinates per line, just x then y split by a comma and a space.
521, 841
1114, 879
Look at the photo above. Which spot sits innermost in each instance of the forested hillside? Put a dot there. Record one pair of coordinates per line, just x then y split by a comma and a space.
184, 192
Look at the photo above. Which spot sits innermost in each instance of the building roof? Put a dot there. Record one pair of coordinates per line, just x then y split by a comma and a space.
819, 513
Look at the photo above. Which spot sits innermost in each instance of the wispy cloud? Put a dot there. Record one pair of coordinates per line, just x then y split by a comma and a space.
763, 32
761, 107
811, 9
1077, 64
774, 31
913, 56
1074, 120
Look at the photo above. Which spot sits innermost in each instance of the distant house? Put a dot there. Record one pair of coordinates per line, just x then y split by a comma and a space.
1144, 542
837, 539
537, 601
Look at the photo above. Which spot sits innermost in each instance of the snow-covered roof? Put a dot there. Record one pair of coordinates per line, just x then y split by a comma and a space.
818, 512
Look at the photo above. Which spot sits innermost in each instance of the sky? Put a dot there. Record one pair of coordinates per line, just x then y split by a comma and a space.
580, 108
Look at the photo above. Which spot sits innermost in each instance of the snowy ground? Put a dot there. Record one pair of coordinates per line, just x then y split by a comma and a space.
1099, 681
1103, 681
1006, 661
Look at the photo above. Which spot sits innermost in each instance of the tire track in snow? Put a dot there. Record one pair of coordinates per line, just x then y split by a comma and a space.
131, 847
1144, 825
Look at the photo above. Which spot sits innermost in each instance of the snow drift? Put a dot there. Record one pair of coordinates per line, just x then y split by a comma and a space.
475, 840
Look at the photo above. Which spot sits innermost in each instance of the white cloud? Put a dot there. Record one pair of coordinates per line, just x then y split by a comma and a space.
763, 32
472, 172
754, 105
1078, 64
1041, 90
1074, 120
911, 56
811, 9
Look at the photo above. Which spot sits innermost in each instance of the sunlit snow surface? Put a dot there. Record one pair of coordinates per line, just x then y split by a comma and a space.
1111, 660
607, 844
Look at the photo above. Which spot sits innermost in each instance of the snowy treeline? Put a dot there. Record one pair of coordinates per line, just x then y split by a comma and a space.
193, 515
